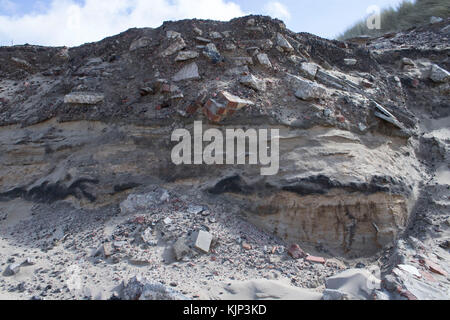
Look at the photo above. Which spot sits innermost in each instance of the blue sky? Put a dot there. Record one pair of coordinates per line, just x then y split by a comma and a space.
73, 22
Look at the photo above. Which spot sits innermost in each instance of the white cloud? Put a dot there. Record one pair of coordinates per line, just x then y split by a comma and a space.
277, 10
69, 23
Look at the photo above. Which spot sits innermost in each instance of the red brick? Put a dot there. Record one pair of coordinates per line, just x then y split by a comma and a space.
315, 259
191, 109
408, 295
434, 267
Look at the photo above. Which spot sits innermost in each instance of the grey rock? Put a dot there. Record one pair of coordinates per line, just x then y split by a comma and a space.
177, 45
212, 53
237, 71
408, 62
438, 74
308, 70
195, 209
307, 90
252, 82
296, 59
141, 202
173, 34
230, 46
215, 35
11, 269
330, 294
201, 39
241, 61
359, 283
283, 43
186, 55
390, 283
22, 63
188, 72
264, 60
138, 288
180, 249
140, 43
198, 31
434, 20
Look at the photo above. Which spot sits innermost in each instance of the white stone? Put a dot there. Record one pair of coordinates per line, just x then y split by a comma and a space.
83, 98
350, 62
203, 241
264, 60
188, 72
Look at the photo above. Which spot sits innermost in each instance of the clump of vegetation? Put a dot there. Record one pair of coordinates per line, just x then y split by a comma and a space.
408, 14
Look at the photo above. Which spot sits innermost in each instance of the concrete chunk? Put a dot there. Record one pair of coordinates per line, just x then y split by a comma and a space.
203, 241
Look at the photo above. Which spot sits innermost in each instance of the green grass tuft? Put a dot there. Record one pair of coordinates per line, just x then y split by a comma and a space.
406, 15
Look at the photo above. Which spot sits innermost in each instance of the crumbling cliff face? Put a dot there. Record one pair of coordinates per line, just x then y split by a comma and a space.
358, 123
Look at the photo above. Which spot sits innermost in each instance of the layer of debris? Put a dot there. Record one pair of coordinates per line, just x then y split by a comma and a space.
91, 206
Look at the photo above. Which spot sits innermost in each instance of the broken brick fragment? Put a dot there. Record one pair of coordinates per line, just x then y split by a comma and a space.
314, 259
296, 252
222, 105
